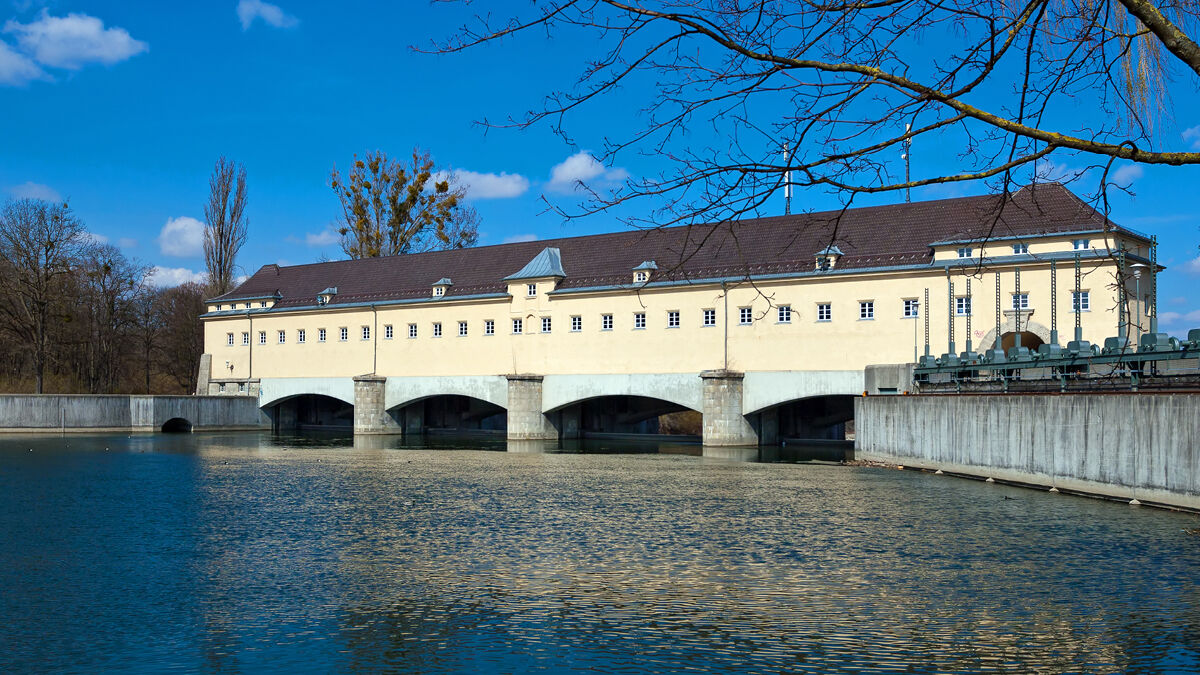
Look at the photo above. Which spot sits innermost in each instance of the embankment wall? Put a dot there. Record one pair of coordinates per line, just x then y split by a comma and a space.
79, 412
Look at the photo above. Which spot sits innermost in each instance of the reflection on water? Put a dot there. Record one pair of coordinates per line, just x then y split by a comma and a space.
250, 552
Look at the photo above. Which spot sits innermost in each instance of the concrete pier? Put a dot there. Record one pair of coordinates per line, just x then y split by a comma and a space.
724, 423
370, 414
526, 421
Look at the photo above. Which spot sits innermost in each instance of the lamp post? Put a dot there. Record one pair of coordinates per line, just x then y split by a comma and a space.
1137, 299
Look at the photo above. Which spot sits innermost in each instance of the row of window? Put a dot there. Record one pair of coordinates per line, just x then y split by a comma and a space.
911, 308
1018, 249
221, 308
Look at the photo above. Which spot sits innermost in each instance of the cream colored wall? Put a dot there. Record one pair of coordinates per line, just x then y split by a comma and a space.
846, 342
1043, 245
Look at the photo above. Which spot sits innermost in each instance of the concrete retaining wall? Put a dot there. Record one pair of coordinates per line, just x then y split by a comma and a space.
77, 412
1143, 446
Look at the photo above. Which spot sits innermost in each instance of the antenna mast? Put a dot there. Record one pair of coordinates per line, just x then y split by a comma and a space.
907, 163
787, 180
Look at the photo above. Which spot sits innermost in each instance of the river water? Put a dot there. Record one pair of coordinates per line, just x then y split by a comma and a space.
247, 552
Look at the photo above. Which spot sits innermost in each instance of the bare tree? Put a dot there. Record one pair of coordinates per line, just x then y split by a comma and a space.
182, 338
109, 283
225, 221
389, 209
40, 245
829, 94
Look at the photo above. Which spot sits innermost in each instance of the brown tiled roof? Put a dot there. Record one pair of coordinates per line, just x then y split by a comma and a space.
876, 236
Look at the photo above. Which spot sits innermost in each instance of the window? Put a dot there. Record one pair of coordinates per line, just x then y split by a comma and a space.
344, 333
489, 327
412, 330
1018, 249
824, 311
388, 333
320, 335
962, 306
1020, 301
912, 308
1081, 244
1081, 302
229, 339
866, 310
745, 316
282, 337
673, 319
245, 338
262, 303
366, 332
965, 252
221, 387
576, 324
462, 329
437, 329
262, 337
439, 291
530, 290
639, 320
710, 317
517, 326
220, 308
545, 324
640, 277
300, 335
606, 322
241, 387
785, 313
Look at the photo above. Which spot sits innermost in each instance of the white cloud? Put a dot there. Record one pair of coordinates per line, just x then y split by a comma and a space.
93, 238
519, 238
182, 237
17, 69
492, 185
1177, 322
327, 237
582, 167
1125, 175
31, 190
127, 242
1192, 136
1050, 170
163, 277
249, 10
73, 41
1192, 267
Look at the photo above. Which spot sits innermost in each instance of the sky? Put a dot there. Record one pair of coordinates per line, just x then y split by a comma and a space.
123, 107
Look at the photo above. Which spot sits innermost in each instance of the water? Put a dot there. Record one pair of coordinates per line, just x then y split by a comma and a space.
243, 552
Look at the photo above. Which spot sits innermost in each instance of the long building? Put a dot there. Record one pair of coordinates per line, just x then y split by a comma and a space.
764, 326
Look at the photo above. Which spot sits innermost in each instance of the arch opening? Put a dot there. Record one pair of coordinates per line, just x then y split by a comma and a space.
176, 425
627, 416
452, 414
1028, 339
818, 427
310, 412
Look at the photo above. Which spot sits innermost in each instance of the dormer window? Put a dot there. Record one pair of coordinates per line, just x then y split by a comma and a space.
827, 258
643, 272
326, 296
1019, 249
440, 286
1081, 244
966, 252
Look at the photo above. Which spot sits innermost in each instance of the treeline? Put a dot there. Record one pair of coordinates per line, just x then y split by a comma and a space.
79, 316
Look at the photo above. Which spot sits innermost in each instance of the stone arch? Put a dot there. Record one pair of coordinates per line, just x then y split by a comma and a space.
764, 390
1010, 326
404, 391
678, 389
176, 425
277, 390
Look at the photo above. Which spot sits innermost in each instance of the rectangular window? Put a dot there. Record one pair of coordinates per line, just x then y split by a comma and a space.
1018, 249
710, 317
262, 337
545, 324
640, 277
263, 303
912, 308
962, 306
320, 335
282, 337
1081, 301
245, 338
673, 319
439, 291
229, 338
745, 316
606, 322
785, 314
1081, 244
576, 324
300, 335
866, 310
366, 332
388, 333
412, 330
530, 290
241, 387
343, 333
639, 320
824, 312
221, 387
965, 252
489, 327
517, 326
1020, 301
462, 329
437, 329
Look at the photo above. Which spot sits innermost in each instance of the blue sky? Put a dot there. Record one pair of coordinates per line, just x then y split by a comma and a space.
123, 107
